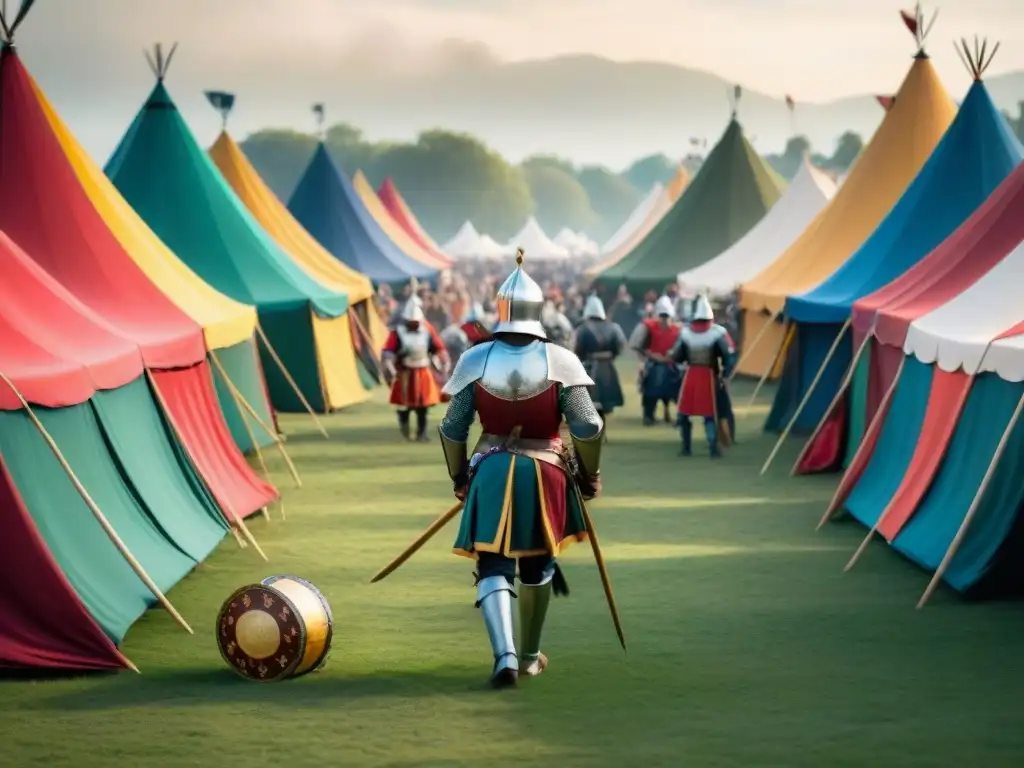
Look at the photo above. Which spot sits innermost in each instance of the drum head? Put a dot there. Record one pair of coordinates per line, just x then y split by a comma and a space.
260, 634
269, 581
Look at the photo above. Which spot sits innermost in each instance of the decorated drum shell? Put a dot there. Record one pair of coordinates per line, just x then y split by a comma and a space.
278, 629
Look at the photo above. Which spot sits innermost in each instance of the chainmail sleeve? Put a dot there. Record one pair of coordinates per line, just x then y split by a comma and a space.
460, 415
579, 412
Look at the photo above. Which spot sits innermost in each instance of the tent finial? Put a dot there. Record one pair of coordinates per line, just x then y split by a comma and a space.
977, 60
318, 113
158, 63
223, 102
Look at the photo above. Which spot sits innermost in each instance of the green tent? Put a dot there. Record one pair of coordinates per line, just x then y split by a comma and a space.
732, 191
171, 182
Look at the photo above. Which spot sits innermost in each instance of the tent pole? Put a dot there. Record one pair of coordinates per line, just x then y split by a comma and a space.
291, 381
961, 534
783, 345
115, 539
807, 395
231, 517
367, 339
753, 343
847, 380
241, 403
876, 422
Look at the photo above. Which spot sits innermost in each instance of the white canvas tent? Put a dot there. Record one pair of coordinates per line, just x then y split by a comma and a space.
635, 220
577, 243
536, 244
464, 242
807, 194
488, 248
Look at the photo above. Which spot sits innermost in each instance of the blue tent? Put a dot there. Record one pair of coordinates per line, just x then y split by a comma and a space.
326, 204
974, 156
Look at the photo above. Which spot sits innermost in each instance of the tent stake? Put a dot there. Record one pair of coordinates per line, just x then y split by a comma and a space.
838, 498
115, 539
807, 396
291, 381
748, 348
847, 380
783, 346
961, 534
231, 517
241, 403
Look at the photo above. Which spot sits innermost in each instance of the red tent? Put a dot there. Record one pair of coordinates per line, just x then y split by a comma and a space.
57, 353
46, 211
884, 316
406, 219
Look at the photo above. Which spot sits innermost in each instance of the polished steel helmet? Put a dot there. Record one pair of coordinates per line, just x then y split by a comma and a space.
412, 312
520, 302
664, 307
702, 309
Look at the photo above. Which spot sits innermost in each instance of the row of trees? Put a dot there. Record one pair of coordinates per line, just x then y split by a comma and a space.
449, 177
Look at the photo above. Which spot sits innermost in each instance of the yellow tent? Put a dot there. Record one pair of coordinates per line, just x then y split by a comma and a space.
903, 142
672, 192
298, 244
412, 249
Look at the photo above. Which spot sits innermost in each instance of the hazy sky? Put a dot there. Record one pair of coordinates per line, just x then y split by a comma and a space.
87, 53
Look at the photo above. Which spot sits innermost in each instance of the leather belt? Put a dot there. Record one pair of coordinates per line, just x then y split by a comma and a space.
549, 451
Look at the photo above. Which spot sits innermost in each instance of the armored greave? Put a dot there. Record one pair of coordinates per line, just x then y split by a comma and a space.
533, 609
403, 422
686, 432
421, 424
711, 431
494, 598
649, 404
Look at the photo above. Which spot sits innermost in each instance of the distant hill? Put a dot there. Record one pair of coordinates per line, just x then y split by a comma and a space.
592, 109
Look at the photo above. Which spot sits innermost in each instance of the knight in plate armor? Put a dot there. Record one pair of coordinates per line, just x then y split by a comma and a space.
709, 354
523, 489
597, 342
414, 357
659, 375
468, 333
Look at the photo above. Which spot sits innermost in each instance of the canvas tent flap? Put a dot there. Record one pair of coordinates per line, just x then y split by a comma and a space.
45, 624
973, 158
45, 210
327, 206
275, 219
900, 147
223, 320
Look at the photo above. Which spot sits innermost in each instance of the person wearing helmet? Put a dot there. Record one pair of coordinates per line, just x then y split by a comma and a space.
709, 354
659, 376
412, 354
523, 491
597, 342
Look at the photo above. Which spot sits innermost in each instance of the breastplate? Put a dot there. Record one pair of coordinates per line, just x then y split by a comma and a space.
415, 347
700, 346
516, 373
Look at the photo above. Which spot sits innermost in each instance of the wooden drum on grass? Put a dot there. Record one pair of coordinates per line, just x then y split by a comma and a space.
278, 629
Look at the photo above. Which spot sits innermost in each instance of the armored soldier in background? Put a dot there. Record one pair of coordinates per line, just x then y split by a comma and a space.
470, 332
523, 490
659, 376
597, 342
709, 355
412, 357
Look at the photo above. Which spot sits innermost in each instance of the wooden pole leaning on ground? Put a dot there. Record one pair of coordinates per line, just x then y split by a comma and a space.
961, 534
244, 406
871, 533
847, 380
291, 381
115, 539
807, 396
367, 340
753, 342
787, 333
233, 519
874, 426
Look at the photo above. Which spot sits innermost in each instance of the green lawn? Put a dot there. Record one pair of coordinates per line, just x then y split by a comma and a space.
748, 646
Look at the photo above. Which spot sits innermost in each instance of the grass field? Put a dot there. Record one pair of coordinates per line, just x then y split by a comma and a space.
748, 646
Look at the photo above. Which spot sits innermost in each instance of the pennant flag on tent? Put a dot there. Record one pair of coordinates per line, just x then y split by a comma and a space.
807, 194
903, 142
359, 355
328, 207
406, 243
55, 216
402, 213
732, 192
886, 101
194, 211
